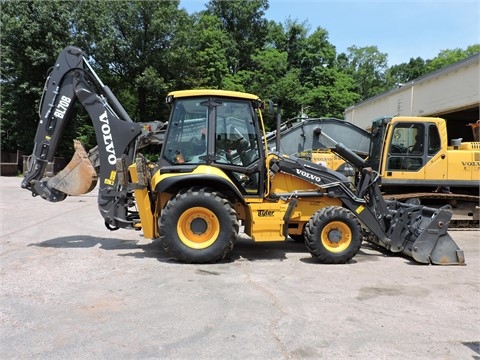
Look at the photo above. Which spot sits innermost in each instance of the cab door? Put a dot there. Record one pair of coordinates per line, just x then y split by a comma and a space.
436, 167
406, 153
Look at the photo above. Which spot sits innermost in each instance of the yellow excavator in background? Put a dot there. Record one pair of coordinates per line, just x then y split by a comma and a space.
411, 154
214, 174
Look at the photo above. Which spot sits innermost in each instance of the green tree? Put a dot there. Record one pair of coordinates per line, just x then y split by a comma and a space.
295, 37
320, 77
275, 37
33, 33
448, 57
331, 97
321, 85
403, 73
244, 22
137, 40
208, 47
367, 66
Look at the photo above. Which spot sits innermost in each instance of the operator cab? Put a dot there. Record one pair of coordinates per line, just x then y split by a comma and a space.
216, 128
410, 144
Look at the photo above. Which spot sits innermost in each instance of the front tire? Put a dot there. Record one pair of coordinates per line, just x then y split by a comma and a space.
198, 226
333, 235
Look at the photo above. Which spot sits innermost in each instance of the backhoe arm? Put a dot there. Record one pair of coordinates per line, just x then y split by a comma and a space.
71, 80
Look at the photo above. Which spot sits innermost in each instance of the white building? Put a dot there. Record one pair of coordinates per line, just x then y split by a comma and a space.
452, 93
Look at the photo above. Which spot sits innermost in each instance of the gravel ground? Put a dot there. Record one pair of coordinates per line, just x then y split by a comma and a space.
71, 289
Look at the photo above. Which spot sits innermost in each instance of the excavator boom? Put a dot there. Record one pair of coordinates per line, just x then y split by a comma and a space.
299, 135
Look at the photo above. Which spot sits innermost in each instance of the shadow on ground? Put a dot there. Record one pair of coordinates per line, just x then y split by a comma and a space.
245, 249
150, 250
474, 346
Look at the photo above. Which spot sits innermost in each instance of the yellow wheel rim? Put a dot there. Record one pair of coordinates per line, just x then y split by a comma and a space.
198, 228
336, 236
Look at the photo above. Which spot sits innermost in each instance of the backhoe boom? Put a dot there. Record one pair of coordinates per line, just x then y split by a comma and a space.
71, 80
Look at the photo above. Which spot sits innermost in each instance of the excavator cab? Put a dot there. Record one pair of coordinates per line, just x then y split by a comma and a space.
401, 146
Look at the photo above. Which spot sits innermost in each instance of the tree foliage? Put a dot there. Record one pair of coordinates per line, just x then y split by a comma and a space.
447, 57
32, 35
244, 23
403, 73
367, 66
144, 49
141, 41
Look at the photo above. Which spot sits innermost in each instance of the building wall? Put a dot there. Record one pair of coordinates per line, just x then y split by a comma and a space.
454, 88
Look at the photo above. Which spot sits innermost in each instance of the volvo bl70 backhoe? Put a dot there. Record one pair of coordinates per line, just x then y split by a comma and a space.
215, 174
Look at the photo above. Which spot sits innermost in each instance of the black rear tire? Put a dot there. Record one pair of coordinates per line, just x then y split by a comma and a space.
333, 235
198, 226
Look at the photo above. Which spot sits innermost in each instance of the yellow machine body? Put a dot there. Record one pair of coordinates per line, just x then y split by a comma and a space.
439, 162
324, 157
263, 219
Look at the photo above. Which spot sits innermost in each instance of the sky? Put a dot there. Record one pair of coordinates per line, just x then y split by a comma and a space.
401, 29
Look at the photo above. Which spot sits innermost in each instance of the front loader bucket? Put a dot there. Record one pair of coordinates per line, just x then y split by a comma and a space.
424, 237
78, 177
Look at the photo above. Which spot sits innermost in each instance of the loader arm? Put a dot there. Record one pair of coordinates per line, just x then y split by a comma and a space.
73, 80
414, 230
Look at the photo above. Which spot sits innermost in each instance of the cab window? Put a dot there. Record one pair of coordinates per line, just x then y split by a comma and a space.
235, 139
407, 147
434, 143
186, 140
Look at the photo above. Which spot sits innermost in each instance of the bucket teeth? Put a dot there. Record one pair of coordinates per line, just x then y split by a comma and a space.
78, 177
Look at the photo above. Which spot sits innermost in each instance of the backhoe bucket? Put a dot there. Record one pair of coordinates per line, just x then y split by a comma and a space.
424, 237
78, 177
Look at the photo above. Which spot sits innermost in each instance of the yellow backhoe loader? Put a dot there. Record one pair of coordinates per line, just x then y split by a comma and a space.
215, 174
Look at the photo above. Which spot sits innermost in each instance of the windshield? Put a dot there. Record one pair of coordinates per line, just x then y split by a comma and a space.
186, 137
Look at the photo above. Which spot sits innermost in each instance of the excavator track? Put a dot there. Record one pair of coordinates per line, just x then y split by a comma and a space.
465, 208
